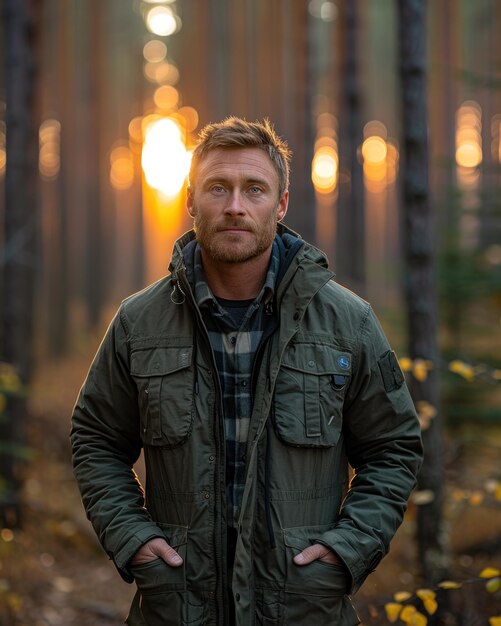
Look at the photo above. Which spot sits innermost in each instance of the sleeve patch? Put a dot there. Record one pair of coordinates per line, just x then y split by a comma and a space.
391, 373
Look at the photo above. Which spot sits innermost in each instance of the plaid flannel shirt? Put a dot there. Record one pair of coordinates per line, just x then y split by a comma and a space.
235, 336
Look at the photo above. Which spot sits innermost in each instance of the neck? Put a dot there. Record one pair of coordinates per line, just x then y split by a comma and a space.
236, 281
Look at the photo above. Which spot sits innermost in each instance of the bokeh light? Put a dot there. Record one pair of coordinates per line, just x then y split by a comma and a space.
122, 168
324, 169
323, 9
135, 129
3, 152
155, 51
468, 135
374, 150
162, 21
49, 149
380, 156
165, 160
166, 97
190, 116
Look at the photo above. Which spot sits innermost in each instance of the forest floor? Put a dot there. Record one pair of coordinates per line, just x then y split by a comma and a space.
52, 572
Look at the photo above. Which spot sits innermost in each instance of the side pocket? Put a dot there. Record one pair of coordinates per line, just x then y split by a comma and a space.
314, 593
309, 395
162, 588
316, 578
165, 380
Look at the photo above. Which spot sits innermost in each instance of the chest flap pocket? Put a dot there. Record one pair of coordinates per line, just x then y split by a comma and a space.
165, 381
309, 394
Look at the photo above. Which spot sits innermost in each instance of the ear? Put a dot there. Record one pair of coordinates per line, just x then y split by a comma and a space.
190, 205
283, 204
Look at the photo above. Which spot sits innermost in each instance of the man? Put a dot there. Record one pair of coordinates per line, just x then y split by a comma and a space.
251, 380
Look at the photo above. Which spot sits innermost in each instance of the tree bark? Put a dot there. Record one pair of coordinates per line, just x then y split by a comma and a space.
350, 240
420, 294
20, 259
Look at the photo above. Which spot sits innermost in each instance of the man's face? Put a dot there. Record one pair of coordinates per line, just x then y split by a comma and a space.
235, 204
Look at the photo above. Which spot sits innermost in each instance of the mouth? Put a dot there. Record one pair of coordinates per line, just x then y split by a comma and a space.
234, 230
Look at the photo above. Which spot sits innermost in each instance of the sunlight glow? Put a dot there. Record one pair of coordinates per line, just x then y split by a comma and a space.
3, 153
324, 169
190, 116
122, 168
374, 150
161, 21
49, 149
165, 160
380, 157
374, 153
166, 97
468, 135
155, 51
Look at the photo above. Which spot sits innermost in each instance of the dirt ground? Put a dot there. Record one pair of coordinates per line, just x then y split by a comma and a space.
52, 572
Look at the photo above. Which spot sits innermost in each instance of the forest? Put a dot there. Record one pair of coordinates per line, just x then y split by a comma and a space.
392, 110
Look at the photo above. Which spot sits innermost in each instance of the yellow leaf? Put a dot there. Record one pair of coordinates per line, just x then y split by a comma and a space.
449, 584
392, 611
3, 402
493, 585
421, 369
413, 617
458, 495
495, 621
407, 613
462, 369
405, 364
496, 374
418, 619
428, 597
401, 596
426, 412
425, 496
497, 493
489, 572
476, 498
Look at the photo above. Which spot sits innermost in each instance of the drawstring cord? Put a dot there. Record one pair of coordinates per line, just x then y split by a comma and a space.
177, 294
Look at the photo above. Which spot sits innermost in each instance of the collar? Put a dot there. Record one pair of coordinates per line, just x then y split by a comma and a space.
203, 294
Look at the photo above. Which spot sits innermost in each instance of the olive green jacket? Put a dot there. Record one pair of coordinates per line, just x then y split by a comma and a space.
327, 392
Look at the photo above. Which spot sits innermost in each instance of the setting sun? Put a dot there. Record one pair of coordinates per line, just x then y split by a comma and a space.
165, 160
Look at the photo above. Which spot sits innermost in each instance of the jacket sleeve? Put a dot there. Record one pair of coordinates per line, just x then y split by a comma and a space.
383, 444
105, 438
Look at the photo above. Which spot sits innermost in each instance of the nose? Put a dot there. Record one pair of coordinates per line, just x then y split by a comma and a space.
235, 204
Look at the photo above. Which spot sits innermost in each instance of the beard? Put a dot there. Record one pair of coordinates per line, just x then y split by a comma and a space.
226, 247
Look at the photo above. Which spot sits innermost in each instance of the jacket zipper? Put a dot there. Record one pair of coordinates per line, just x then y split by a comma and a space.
219, 493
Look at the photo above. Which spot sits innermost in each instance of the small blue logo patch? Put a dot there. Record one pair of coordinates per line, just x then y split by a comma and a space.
344, 362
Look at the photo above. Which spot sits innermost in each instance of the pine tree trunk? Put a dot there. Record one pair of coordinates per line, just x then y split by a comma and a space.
350, 240
21, 231
420, 292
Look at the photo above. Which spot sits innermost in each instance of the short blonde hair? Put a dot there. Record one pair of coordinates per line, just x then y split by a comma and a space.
235, 132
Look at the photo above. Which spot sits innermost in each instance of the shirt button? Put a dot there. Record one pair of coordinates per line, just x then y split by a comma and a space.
311, 363
237, 597
211, 458
206, 495
244, 383
233, 340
